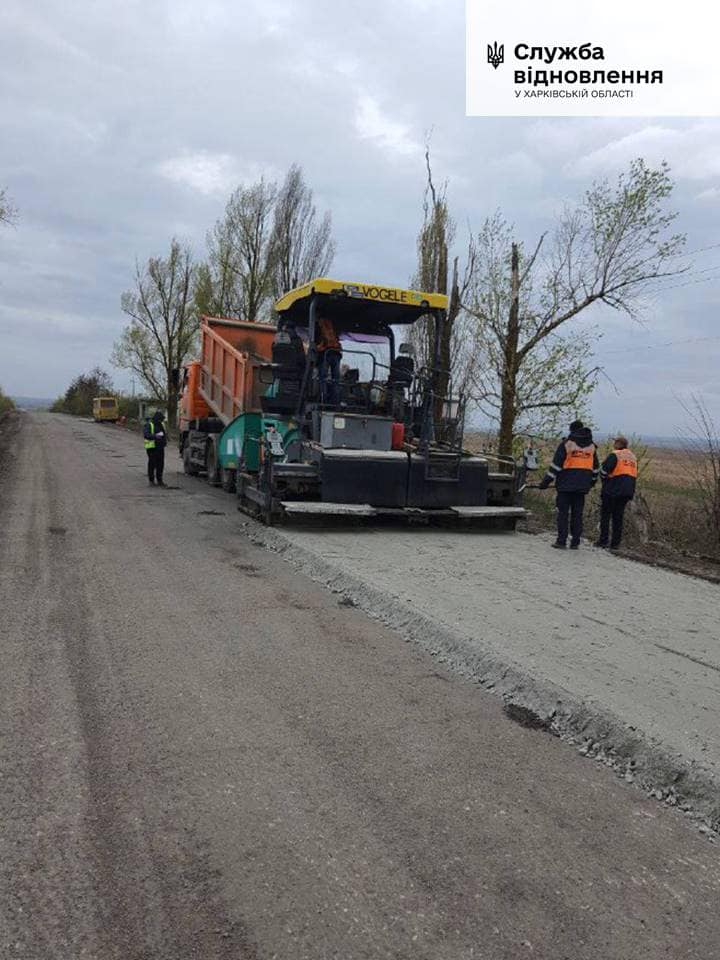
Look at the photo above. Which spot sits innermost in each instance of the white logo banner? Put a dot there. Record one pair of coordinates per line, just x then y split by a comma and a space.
615, 58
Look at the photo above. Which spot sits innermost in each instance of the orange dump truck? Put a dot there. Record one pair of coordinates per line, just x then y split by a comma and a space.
220, 416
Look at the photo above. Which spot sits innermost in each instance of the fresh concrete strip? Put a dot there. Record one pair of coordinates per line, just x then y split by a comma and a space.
620, 658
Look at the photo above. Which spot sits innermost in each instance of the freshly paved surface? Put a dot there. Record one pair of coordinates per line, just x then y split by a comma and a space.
204, 755
641, 643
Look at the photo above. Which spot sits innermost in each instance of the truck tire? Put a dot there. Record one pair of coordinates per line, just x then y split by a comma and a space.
212, 465
227, 481
188, 466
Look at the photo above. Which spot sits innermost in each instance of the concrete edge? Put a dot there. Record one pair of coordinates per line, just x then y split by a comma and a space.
601, 736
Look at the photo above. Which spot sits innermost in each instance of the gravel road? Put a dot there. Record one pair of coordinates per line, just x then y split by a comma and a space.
204, 754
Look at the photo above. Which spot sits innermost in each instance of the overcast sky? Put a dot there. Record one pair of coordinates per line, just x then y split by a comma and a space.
125, 124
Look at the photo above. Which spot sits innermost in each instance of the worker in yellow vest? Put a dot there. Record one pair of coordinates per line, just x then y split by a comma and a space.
574, 470
154, 437
619, 477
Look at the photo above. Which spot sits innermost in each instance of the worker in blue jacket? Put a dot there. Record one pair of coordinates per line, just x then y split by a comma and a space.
574, 470
619, 476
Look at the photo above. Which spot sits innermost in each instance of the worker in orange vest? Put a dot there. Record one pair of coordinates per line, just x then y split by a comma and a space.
574, 470
619, 477
329, 353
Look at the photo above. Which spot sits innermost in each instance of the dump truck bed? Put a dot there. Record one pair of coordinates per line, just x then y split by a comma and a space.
226, 381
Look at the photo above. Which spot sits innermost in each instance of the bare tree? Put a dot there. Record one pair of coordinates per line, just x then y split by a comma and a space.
8, 210
611, 249
222, 299
163, 323
303, 244
242, 253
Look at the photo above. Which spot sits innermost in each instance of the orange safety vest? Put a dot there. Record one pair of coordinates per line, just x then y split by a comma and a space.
626, 465
328, 337
578, 458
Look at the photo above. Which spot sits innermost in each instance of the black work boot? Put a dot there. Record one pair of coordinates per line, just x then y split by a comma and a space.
558, 546
574, 546
151, 482
601, 544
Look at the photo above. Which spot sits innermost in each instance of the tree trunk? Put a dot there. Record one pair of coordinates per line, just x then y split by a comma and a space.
442, 370
508, 410
172, 401
441, 378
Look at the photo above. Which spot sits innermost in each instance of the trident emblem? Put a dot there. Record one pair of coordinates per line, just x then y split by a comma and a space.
496, 54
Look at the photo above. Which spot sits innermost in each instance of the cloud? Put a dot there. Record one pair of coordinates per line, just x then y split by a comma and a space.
211, 173
390, 135
276, 16
519, 165
712, 195
49, 322
655, 143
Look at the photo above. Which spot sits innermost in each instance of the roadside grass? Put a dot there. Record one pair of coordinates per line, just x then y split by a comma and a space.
6, 403
653, 487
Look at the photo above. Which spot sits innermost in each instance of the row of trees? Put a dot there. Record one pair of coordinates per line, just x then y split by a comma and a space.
269, 239
78, 398
509, 341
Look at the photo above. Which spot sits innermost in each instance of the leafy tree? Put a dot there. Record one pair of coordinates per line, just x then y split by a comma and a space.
241, 253
268, 240
610, 249
79, 396
556, 379
303, 246
128, 406
163, 324
203, 296
501, 339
